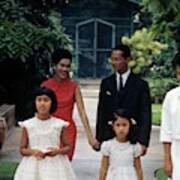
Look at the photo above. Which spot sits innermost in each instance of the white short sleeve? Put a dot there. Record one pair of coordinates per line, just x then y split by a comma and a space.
24, 124
137, 150
65, 124
61, 124
105, 148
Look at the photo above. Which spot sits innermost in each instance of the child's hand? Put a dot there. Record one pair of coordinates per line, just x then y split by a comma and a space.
38, 154
143, 150
52, 151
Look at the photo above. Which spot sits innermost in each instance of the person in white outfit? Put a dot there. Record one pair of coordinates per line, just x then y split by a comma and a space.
43, 159
120, 155
170, 128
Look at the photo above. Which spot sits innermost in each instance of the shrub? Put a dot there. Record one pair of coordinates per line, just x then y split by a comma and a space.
159, 87
145, 49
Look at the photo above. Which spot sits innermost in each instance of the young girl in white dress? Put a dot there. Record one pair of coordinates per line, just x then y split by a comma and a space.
121, 158
40, 142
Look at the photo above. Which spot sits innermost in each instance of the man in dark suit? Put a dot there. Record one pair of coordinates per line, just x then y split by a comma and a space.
123, 89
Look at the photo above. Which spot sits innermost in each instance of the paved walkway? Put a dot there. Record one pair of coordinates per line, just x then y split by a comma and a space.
86, 161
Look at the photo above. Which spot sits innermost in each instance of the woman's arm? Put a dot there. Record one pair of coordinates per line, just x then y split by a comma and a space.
24, 150
167, 159
104, 168
137, 164
84, 118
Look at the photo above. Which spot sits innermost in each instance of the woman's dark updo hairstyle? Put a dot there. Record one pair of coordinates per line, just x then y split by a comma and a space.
48, 92
176, 60
60, 54
125, 114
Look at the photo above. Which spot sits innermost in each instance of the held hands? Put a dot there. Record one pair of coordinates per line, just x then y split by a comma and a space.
41, 154
53, 151
143, 150
95, 144
38, 154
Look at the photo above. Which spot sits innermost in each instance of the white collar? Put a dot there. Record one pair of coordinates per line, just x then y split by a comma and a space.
124, 76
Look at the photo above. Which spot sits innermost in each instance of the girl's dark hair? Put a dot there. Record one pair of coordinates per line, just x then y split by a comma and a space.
125, 114
48, 92
60, 54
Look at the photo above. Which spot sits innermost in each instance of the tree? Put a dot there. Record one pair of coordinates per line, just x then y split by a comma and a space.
27, 39
165, 17
20, 38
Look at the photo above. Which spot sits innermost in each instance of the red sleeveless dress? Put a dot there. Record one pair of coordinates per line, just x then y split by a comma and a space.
65, 94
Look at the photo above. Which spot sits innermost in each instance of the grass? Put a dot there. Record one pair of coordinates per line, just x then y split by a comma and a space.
160, 175
156, 114
7, 169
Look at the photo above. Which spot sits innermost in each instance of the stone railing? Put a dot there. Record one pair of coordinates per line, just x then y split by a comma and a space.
7, 121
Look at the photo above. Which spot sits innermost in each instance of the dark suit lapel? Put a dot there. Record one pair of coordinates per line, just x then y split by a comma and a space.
130, 84
112, 85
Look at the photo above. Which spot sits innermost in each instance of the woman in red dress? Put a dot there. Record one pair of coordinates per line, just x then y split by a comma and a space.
68, 93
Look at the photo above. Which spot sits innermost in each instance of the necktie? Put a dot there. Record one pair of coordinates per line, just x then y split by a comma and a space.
120, 83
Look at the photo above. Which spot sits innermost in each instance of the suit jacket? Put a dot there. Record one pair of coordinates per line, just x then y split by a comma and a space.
135, 97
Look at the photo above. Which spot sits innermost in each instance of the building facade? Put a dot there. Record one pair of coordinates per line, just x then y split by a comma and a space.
95, 26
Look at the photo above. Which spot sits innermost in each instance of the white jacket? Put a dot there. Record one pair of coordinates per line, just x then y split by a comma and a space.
170, 125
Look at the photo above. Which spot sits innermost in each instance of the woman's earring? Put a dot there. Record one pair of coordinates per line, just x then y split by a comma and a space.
51, 71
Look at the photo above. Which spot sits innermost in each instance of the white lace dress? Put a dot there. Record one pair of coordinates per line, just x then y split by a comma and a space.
44, 134
121, 158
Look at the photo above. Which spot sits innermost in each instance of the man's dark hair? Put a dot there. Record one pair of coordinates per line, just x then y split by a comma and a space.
60, 54
124, 48
176, 60
48, 92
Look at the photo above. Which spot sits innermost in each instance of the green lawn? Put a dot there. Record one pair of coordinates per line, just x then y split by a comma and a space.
156, 114
160, 175
7, 169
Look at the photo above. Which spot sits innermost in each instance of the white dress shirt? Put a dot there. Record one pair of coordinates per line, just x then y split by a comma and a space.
124, 78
